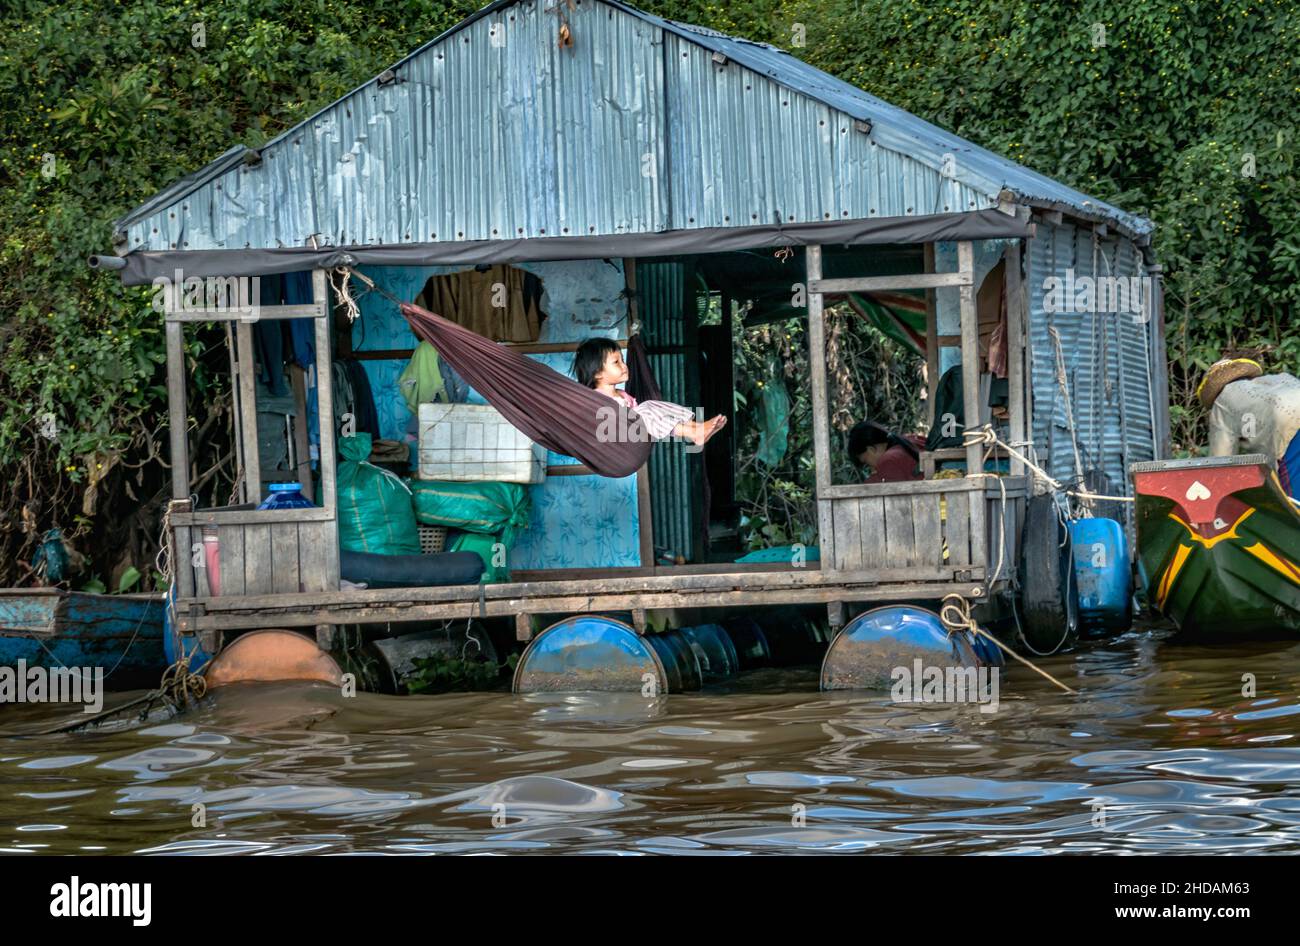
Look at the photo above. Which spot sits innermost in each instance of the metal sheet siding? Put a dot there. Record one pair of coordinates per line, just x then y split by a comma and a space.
1106, 357
663, 305
493, 132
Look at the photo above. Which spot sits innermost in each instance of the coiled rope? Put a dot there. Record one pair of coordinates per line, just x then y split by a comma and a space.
955, 615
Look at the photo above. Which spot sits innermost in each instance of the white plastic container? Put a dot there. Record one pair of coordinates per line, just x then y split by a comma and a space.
473, 443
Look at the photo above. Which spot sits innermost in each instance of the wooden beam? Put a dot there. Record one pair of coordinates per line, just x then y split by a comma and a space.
178, 415
246, 314
906, 488
644, 500
246, 429
1015, 349
970, 376
301, 429
820, 410
524, 348
229, 517
875, 283
931, 339
325, 413
568, 469
363, 613
970, 360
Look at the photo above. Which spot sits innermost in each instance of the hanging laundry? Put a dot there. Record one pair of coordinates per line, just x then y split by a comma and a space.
421, 381
500, 303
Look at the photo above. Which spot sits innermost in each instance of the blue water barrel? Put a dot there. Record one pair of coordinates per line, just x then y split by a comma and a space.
865, 654
1103, 576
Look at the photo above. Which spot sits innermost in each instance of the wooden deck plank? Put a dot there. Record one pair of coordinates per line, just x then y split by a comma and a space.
257, 560
871, 520
285, 575
929, 535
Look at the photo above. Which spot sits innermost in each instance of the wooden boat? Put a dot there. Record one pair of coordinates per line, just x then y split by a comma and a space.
49, 627
1218, 546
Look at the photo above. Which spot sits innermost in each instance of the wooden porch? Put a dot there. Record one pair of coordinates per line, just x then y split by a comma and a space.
903, 541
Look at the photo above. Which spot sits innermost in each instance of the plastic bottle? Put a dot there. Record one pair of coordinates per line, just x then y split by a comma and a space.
286, 496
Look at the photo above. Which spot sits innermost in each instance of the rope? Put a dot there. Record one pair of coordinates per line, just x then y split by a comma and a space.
343, 290
1069, 404
987, 435
955, 615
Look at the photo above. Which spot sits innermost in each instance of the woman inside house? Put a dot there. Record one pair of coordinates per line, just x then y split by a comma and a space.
889, 457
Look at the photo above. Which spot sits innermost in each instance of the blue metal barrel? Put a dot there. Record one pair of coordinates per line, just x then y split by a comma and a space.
867, 651
591, 652
714, 651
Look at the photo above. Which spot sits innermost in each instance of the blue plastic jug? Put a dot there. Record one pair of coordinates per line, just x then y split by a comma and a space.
286, 496
1103, 576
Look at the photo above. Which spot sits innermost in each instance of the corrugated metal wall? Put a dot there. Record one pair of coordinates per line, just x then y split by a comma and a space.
666, 307
1106, 356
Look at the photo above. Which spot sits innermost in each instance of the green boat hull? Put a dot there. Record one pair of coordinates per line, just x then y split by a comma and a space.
1219, 547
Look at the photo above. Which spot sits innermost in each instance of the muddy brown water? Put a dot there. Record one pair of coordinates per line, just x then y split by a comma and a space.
1159, 751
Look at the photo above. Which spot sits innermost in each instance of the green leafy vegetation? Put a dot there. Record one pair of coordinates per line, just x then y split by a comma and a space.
443, 673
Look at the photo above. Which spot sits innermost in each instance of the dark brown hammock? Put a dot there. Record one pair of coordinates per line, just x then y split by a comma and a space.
555, 411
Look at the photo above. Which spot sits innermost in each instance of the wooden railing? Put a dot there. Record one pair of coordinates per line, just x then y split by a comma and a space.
961, 527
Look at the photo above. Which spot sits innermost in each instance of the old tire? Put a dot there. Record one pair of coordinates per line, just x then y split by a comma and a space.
1049, 620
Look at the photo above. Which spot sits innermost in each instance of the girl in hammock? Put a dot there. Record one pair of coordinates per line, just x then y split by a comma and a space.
599, 364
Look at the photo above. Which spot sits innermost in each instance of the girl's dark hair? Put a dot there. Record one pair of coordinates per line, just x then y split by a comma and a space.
870, 434
590, 357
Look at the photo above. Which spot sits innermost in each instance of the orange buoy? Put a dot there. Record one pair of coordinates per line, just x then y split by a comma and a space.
270, 655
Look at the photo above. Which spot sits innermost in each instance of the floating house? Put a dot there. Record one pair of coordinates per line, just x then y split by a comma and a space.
629, 171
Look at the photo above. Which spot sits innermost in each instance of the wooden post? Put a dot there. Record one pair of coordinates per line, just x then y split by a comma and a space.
970, 351
301, 429
177, 412
644, 509
523, 626
247, 427
820, 412
970, 378
835, 614
932, 362
1015, 350
178, 424
325, 414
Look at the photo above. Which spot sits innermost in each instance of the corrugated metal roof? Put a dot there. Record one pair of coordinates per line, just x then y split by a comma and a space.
493, 132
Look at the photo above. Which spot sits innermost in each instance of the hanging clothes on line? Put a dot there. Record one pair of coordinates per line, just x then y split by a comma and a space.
501, 303
554, 411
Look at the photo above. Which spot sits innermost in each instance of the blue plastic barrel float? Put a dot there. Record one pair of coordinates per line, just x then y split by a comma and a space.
1103, 576
865, 653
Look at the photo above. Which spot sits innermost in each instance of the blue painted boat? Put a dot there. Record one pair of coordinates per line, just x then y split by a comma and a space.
49, 627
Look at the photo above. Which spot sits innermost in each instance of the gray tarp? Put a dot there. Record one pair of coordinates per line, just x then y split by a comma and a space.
143, 267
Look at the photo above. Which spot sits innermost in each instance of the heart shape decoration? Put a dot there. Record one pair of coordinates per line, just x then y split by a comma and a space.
1197, 491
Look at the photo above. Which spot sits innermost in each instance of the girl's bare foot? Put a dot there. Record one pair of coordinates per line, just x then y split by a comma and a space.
711, 427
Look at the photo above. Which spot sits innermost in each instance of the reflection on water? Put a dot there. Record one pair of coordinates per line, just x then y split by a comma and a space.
1160, 751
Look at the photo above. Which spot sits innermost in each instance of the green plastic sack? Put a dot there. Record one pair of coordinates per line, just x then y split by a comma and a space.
375, 512
495, 567
487, 508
